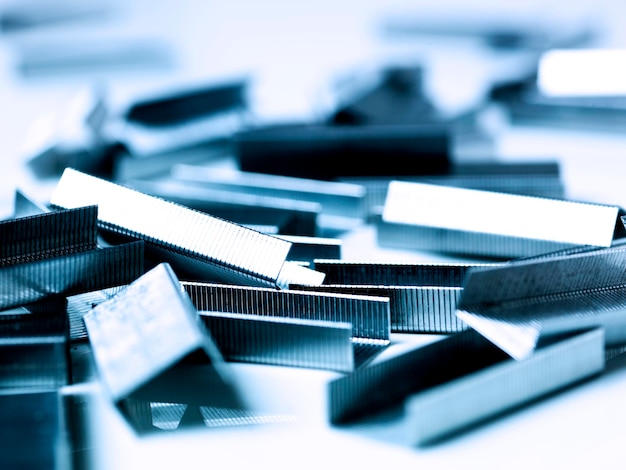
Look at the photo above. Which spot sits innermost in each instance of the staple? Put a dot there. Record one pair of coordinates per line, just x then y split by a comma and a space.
462, 380
47, 235
373, 273
292, 217
335, 198
208, 248
327, 152
368, 315
422, 297
31, 428
179, 106
540, 179
517, 304
282, 341
445, 219
153, 339
67, 274
413, 309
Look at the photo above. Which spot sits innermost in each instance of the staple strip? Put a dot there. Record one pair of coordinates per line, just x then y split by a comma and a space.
514, 305
503, 386
517, 326
282, 341
412, 309
522, 279
369, 316
336, 198
464, 373
394, 274
293, 216
459, 242
529, 185
70, 274
144, 330
47, 235
451, 219
218, 245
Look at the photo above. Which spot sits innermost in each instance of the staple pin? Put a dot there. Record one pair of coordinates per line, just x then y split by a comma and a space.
327, 152
462, 380
540, 179
56, 253
367, 315
146, 339
337, 199
290, 342
202, 246
516, 304
47, 235
422, 297
438, 218
290, 216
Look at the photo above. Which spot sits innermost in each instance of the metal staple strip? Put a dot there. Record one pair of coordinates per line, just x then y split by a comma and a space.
220, 246
144, 330
503, 387
450, 219
369, 316
548, 186
546, 276
344, 199
70, 274
282, 341
293, 217
413, 309
458, 242
514, 305
395, 274
464, 373
47, 235
518, 326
